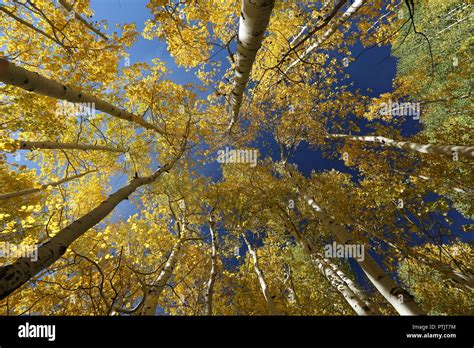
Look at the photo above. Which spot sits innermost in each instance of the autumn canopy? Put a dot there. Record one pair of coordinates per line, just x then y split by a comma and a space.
170, 185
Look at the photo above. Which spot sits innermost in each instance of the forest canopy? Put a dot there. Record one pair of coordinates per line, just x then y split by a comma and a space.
243, 170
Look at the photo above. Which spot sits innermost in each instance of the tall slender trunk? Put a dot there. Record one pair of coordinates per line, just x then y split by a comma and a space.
213, 272
50, 145
356, 5
15, 275
254, 18
398, 297
354, 296
356, 303
288, 279
448, 150
151, 302
263, 284
13, 75
361, 294
34, 190
69, 8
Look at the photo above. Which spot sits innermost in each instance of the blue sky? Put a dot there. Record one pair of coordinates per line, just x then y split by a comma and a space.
135, 11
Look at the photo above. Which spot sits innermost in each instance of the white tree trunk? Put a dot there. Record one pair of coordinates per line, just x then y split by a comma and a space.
254, 18
151, 302
354, 287
50, 145
14, 275
449, 150
34, 190
356, 5
356, 303
13, 75
353, 295
213, 272
398, 297
263, 284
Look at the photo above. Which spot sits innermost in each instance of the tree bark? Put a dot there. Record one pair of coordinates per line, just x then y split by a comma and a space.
398, 297
50, 145
151, 302
448, 150
213, 272
261, 279
354, 296
34, 190
254, 18
334, 278
354, 288
15, 275
13, 75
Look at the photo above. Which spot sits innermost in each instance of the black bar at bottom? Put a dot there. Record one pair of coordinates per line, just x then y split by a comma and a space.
240, 331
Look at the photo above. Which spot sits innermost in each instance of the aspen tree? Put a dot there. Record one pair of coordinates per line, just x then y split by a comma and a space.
15, 275
254, 19
454, 151
261, 278
213, 272
398, 297
13, 75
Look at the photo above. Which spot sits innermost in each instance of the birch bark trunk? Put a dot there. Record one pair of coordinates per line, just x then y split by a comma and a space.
354, 296
13, 75
254, 18
15, 275
448, 150
213, 272
398, 297
261, 278
356, 5
50, 145
151, 302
